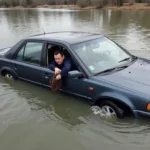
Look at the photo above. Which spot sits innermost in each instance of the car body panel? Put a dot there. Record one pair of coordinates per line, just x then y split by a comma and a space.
67, 37
132, 77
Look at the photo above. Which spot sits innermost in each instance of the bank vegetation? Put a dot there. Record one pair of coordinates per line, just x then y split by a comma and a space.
71, 3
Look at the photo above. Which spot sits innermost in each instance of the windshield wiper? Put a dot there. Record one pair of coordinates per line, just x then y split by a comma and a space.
124, 59
107, 70
111, 69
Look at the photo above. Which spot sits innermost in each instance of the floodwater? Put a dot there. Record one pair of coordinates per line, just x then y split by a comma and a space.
34, 118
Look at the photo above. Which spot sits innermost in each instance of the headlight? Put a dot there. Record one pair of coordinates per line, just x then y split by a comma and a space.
148, 106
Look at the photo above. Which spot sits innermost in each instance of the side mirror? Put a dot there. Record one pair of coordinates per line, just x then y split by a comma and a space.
75, 74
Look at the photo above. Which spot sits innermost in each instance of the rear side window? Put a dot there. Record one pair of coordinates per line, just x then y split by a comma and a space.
31, 53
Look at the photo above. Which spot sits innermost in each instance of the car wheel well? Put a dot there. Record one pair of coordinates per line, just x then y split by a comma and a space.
3, 72
12, 74
127, 109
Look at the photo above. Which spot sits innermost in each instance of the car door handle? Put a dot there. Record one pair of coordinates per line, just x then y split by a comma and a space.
47, 75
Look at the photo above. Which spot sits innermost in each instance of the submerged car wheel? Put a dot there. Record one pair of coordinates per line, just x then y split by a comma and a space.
110, 109
8, 75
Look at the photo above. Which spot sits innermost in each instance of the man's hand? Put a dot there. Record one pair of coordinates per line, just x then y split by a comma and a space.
58, 77
57, 70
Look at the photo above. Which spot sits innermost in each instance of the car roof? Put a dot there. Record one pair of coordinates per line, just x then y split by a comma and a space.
66, 37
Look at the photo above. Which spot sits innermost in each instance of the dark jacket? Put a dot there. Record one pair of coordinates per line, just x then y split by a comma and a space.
65, 67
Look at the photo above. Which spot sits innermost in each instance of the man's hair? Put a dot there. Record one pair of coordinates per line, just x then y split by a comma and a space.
58, 52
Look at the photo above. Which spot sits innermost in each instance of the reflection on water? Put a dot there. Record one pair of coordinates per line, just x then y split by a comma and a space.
54, 106
130, 29
25, 102
32, 117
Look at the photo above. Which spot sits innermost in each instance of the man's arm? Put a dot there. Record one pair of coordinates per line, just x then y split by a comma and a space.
66, 68
53, 67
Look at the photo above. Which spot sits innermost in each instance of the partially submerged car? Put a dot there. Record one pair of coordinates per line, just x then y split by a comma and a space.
107, 75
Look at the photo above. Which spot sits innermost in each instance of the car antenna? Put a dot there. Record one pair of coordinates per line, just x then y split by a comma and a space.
43, 30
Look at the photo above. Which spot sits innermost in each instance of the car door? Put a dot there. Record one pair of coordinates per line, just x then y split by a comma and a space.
79, 86
74, 85
28, 61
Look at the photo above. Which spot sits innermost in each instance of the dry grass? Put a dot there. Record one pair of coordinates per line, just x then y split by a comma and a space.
65, 7
136, 6
126, 6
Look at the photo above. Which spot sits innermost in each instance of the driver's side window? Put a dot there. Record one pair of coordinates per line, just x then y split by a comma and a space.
51, 48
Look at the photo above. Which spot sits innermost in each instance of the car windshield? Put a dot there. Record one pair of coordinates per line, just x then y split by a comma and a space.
101, 54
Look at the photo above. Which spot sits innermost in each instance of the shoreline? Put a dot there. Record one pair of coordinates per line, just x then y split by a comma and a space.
126, 6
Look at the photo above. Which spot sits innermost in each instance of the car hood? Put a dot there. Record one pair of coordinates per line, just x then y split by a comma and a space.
135, 77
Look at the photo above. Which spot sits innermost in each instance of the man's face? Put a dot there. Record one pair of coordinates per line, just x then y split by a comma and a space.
59, 58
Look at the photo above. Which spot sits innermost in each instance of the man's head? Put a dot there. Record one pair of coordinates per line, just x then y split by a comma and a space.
59, 57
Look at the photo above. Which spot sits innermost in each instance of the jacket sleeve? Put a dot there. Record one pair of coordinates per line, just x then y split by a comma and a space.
66, 68
52, 65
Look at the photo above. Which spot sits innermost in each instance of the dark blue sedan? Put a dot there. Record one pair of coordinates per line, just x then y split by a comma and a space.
106, 75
